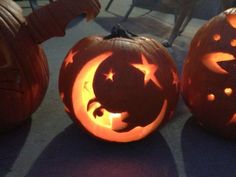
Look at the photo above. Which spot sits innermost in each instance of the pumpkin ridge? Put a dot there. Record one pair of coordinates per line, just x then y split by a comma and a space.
19, 18
12, 24
116, 97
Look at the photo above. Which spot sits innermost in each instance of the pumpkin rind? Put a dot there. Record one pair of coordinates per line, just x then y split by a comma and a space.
85, 59
23, 68
208, 84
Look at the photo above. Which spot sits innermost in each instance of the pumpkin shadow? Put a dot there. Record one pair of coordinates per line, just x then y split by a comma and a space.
11, 144
206, 154
74, 153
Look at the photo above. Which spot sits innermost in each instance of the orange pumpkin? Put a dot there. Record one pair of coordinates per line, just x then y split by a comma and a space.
23, 67
120, 87
209, 75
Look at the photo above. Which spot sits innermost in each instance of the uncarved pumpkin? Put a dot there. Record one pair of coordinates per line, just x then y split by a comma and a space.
120, 87
209, 75
23, 67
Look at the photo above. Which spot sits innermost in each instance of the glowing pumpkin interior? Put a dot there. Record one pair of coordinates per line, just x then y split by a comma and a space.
107, 121
209, 80
119, 98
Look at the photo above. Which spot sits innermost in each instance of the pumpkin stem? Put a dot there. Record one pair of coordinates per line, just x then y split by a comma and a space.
118, 31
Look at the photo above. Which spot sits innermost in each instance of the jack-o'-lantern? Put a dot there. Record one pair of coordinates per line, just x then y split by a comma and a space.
209, 75
120, 87
23, 66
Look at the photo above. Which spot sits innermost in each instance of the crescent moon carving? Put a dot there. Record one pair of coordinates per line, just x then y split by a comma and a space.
210, 61
108, 123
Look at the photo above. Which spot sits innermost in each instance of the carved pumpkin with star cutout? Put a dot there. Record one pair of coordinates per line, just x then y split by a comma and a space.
209, 75
121, 87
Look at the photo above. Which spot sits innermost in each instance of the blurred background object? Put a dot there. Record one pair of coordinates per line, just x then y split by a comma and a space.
183, 10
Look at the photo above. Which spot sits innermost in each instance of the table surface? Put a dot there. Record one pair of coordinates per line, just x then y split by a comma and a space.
50, 145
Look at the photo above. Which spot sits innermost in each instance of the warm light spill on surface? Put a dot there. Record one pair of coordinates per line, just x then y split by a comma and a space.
110, 75
216, 37
233, 43
148, 70
211, 97
228, 91
210, 61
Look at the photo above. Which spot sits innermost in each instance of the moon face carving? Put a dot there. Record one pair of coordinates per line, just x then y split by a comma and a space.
132, 89
114, 96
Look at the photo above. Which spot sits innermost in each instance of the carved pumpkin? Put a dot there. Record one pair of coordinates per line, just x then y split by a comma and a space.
209, 75
120, 87
23, 66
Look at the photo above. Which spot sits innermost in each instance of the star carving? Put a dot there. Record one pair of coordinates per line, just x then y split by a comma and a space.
175, 81
148, 70
109, 75
70, 57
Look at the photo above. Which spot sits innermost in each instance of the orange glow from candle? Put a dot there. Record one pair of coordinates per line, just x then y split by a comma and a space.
211, 97
148, 70
228, 91
110, 75
216, 37
233, 43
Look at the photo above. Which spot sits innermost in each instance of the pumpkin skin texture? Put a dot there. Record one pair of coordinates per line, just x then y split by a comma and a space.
119, 89
209, 80
24, 71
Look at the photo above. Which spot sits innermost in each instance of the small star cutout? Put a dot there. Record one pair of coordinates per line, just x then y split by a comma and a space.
175, 79
110, 75
70, 57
